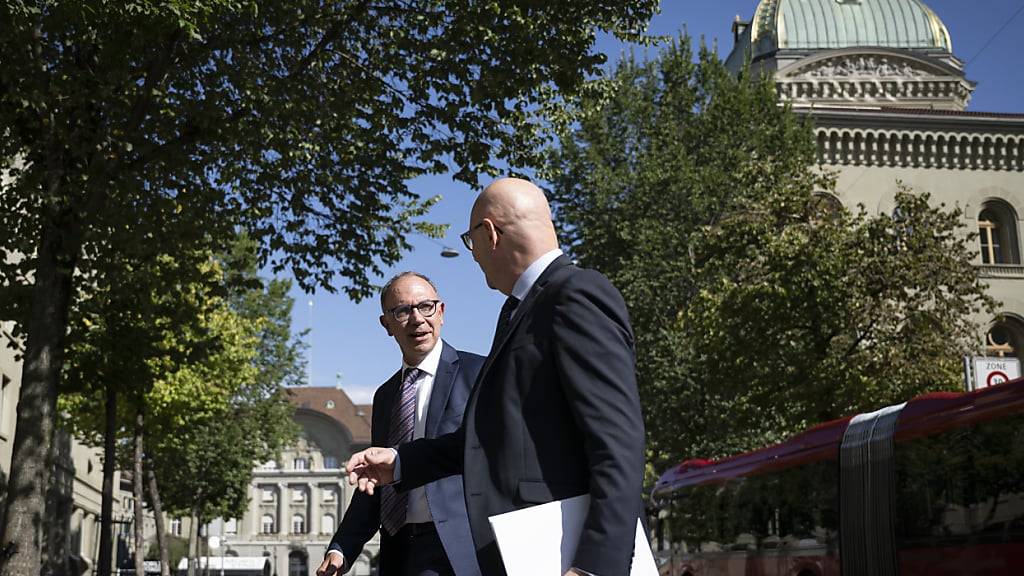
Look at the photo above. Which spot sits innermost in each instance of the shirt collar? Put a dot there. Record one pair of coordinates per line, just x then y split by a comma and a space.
529, 276
429, 364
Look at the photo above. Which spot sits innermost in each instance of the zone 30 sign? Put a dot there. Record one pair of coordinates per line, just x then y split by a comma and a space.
992, 371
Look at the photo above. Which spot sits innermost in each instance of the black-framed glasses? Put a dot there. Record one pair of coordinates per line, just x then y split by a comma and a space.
468, 240
426, 309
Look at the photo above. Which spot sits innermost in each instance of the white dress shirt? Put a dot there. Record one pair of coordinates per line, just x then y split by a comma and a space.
529, 276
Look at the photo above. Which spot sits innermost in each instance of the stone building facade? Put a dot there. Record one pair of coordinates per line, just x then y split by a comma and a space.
297, 502
888, 99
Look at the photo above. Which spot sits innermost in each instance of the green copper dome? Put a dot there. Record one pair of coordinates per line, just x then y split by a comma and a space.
828, 24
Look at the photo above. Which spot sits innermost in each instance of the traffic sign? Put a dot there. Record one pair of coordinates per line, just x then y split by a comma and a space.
989, 371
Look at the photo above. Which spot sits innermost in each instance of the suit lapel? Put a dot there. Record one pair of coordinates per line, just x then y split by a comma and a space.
387, 399
522, 311
447, 368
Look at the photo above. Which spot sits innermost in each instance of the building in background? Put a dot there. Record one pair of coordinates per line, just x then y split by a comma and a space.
297, 502
888, 98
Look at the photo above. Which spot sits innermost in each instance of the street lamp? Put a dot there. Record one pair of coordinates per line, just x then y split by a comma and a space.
446, 251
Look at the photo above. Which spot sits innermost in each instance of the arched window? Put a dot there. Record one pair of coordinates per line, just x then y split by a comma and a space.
327, 524
997, 234
297, 564
1006, 339
298, 524
231, 526
267, 524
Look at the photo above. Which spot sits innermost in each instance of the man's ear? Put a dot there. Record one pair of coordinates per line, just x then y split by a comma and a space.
492, 233
385, 325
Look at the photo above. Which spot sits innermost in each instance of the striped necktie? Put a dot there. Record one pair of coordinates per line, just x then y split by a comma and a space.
393, 504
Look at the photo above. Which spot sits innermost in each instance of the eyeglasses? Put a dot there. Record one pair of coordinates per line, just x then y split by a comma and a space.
403, 312
468, 240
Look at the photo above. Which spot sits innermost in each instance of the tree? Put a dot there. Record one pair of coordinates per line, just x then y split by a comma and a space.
203, 449
203, 453
177, 340
144, 314
759, 307
172, 123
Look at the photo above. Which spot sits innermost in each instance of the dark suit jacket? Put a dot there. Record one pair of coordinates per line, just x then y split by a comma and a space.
456, 373
555, 413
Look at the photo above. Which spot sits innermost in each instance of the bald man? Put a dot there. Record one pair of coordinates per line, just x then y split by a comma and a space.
555, 411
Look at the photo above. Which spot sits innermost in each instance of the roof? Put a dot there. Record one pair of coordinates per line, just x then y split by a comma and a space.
925, 414
334, 403
830, 24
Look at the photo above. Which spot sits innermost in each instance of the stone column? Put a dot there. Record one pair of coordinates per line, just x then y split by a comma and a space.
341, 493
283, 519
313, 489
253, 509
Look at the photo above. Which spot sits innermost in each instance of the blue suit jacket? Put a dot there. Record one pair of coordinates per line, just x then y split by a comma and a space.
456, 373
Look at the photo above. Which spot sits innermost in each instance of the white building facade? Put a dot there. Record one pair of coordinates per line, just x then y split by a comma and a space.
297, 502
888, 99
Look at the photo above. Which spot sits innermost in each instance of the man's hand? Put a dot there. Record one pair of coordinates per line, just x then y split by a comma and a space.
371, 468
332, 565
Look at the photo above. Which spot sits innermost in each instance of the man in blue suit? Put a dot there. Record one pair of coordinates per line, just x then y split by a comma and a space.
424, 532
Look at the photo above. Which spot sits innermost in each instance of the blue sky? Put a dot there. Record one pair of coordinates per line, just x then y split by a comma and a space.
347, 346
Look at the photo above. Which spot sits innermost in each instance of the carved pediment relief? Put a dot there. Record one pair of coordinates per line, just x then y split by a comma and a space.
864, 66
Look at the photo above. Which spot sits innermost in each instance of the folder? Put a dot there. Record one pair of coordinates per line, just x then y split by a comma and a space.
541, 540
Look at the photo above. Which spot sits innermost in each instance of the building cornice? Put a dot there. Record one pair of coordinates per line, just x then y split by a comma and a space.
914, 119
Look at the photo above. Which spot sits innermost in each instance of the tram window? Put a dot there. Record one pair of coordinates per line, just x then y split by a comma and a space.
962, 485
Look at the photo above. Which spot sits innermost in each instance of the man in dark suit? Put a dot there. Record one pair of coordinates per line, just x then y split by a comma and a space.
424, 532
555, 412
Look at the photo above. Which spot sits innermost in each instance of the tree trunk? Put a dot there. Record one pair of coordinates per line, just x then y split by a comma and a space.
25, 511
158, 517
103, 563
140, 539
193, 543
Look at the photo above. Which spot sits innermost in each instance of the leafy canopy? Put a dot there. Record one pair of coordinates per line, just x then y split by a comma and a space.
300, 121
760, 305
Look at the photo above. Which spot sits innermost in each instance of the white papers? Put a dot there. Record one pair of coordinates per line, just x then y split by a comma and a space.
541, 541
